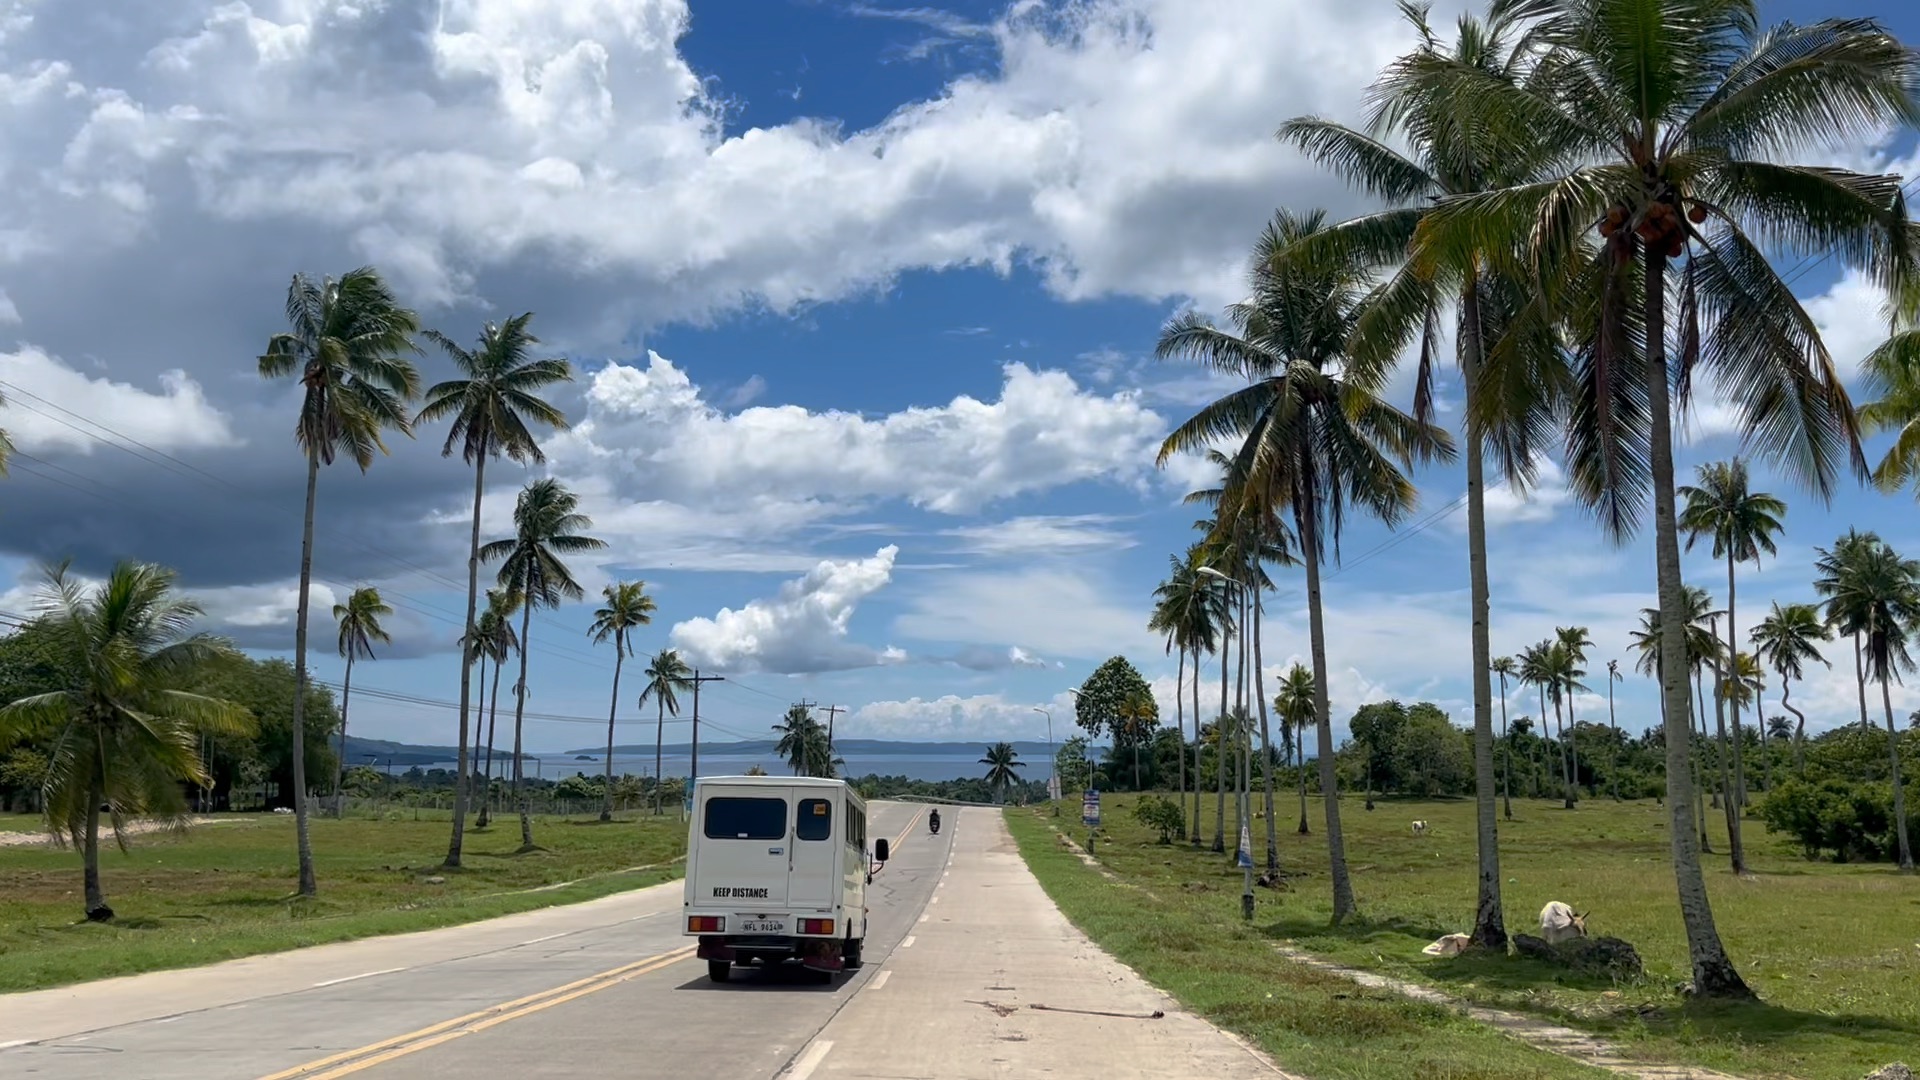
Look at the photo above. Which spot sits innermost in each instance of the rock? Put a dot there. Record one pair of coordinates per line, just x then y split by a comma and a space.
1599, 955
436, 880
1896, 1071
1528, 945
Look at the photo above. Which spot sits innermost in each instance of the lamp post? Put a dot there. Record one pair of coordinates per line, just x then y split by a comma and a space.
1245, 855
1053, 771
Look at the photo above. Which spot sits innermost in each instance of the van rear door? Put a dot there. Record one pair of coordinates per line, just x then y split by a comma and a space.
745, 846
815, 881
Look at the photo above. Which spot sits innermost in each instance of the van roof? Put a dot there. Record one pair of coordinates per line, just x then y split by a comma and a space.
771, 781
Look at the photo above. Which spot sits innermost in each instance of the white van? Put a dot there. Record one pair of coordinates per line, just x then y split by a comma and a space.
777, 869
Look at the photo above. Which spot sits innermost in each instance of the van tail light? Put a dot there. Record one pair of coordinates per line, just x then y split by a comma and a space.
705, 924
816, 926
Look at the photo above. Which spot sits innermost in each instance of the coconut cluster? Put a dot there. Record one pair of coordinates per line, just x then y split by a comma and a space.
1659, 226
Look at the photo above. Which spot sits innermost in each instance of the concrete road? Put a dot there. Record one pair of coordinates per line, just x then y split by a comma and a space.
962, 940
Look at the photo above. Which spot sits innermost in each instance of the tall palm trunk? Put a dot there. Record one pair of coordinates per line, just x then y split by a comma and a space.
1701, 759
455, 844
1242, 733
1729, 799
520, 796
1860, 681
1220, 760
302, 841
97, 909
1539, 784
1560, 729
493, 724
1266, 742
1799, 727
1613, 752
1489, 924
659, 735
1573, 754
1733, 706
1713, 973
1194, 825
1506, 753
1300, 762
340, 765
1899, 795
1329, 783
613, 709
1180, 721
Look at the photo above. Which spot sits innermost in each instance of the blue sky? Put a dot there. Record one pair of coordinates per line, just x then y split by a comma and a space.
862, 298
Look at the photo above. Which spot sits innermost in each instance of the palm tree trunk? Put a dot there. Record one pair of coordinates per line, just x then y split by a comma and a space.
520, 796
1329, 782
1729, 801
1537, 769
1197, 746
1799, 727
479, 732
1701, 764
340, 766
303, 842
493, 725
1506, 753
1733, 706
1573, 754
1713, 973
96, 899
1560, 729
1613, 754
458, 840
613, 708
1220, 760
1860, 680
1899, 795
1266, 742
1180, 721
1489, 924
1242, 733
659, 734
1300, 762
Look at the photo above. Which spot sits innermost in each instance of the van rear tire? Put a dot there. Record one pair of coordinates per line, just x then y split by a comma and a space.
851, 954
720, 970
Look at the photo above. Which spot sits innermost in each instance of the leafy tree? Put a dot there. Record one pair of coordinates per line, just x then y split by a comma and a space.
1163, 814
547, 524
1375, 726
491, 407
346, 342
125, 732
627, 606
1100, 705
1429, 755
667, 675
359, 620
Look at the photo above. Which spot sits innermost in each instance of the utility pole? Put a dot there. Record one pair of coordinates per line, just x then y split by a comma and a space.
832, 710
693, 769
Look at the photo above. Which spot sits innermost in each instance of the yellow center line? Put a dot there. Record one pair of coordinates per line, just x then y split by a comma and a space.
364, 1057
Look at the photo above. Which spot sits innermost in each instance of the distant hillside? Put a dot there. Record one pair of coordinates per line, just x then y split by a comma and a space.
403, 755
407, 755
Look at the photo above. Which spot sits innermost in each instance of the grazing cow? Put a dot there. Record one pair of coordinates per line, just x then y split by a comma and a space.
1420, 827
1558, 923
1451, 945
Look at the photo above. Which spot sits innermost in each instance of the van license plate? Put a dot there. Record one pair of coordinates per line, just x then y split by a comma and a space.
763, 926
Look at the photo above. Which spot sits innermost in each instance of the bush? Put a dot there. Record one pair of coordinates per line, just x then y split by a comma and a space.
1848, 820
1160, 813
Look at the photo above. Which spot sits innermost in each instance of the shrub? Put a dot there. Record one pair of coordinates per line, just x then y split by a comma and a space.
1160, 813
1849, 820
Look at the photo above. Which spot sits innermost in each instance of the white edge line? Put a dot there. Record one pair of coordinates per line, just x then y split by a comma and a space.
351, 978
907, 944
880, 980
549, 937
810, 1060
10, 1044
923, 918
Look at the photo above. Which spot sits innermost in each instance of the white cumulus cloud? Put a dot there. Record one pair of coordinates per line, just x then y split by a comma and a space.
801, 629
52, 407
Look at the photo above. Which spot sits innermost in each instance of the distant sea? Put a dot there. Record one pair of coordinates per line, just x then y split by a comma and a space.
955, 766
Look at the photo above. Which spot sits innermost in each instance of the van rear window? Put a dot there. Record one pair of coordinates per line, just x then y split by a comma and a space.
733, 818
816, 819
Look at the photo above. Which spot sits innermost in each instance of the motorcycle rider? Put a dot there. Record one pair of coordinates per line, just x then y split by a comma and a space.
933, 820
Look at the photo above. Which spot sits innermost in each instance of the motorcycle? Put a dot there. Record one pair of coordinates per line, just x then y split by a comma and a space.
933, 823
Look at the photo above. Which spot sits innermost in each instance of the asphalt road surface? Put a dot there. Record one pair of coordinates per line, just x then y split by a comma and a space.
970, 972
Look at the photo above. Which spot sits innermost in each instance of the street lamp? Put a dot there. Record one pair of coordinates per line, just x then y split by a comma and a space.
1053, 771
1245, 854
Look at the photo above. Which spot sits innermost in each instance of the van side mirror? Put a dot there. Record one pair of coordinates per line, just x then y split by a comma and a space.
880, 851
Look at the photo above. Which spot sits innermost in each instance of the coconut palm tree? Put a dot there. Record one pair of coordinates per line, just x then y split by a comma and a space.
1187, 612
1560, 664
627, 606
1507, 413
667, 676
1785, 640
1296, 701
1537, 670
1847, 552
124, 734
1742, 523
1137, 716
1574, 639
1882, 588
547, 524
1744, 682
1505, 668
1315, 439
498, 642
347, 341
797, 728
1001, 761
493, 408
1680, 125
359, 620
1175, 598
1613, 723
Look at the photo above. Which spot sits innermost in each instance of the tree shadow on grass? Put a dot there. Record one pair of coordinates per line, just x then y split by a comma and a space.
1358, 929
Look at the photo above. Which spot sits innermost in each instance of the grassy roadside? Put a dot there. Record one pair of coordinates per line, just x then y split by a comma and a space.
224, 890
1831, 950
1193, 945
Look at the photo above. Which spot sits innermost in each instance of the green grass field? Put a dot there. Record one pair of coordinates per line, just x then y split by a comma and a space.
225, 890
1833, 951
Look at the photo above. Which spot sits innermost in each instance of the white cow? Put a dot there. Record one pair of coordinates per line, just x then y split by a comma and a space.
1558, 923
1420, 827
1451, 945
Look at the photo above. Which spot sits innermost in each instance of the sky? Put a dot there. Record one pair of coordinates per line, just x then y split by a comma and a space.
861, 298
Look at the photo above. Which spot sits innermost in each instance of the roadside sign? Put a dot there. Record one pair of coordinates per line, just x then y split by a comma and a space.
1090, 809
1246, 849
1053, 787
